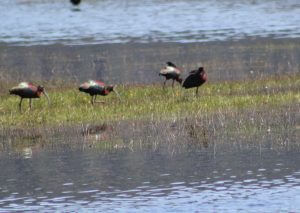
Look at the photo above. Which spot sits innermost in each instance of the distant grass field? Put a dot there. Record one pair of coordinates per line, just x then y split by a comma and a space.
148, 102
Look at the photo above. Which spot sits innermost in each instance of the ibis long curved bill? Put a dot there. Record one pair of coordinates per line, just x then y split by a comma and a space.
118, 95
46, 95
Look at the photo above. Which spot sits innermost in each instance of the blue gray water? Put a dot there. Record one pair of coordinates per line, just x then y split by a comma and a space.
229, 180
26, 22
153, 181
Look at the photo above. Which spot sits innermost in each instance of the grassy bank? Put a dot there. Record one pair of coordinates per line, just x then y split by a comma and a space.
149, 102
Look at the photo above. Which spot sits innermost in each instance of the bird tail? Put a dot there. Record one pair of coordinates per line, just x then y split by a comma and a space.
12, 91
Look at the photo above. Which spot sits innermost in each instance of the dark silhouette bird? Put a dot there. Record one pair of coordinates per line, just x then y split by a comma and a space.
28, 90
195, 79
75, 2
95, 88
170, 71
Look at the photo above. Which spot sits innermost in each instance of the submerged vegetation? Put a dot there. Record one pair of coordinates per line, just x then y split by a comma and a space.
149, 102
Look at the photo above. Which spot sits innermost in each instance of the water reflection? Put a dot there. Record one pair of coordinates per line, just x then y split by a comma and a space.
134, 181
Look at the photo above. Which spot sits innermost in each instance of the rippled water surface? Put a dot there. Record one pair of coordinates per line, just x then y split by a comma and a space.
112, 21
227, 181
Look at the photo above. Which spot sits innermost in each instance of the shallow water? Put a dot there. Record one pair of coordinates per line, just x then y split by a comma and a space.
109, 21
226, 179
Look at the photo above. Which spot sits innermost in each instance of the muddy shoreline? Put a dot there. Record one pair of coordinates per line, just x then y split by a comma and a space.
275, 128
140, 63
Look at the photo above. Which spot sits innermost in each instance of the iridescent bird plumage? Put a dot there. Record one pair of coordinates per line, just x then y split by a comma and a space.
170, 71
94, 88
195, 79
28, 90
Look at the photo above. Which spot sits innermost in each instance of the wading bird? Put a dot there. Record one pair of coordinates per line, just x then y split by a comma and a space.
195, 79
170, 71
75, 2
28, 90
95, 88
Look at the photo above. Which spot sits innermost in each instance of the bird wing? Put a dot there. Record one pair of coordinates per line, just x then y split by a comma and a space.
195, 79
24, 89
24, 85
169, 69
96, 83
31, 86
191, 81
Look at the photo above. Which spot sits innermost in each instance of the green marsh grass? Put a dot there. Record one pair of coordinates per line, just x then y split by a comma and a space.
148, 102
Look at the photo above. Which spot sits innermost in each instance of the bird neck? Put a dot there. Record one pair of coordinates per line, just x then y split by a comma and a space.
38, 93
204, 76
106, 92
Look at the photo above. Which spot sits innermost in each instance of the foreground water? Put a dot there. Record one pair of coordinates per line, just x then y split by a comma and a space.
27, 22
226, 179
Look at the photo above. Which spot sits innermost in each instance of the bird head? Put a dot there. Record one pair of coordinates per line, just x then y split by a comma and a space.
202, 73
42, 90
112, 88
179, 80
171, 64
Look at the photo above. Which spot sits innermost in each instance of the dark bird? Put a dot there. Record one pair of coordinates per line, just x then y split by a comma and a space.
195, 79
170, 71
28, 90
95, 88
75, 2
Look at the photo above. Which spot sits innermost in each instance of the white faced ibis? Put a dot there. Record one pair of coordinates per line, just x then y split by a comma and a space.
195, 79
170, 71
95, 88
28, 90
75, 2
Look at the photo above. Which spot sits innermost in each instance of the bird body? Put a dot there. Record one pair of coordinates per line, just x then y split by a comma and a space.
170, 71
94, 87
195, 79
28, 90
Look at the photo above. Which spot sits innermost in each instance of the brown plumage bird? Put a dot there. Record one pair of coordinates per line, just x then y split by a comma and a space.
28, 90
195, 79
171, 71
95, 88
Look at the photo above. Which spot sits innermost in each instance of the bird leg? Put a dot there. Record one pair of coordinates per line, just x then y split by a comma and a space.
164, 84
99, 102
20, 105
197, 91
30, 103
92, 99
173, 84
